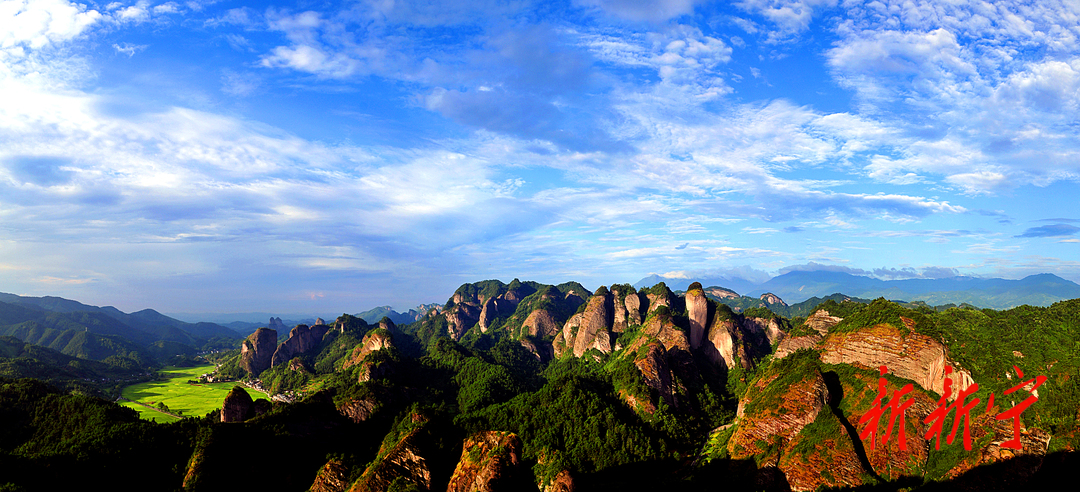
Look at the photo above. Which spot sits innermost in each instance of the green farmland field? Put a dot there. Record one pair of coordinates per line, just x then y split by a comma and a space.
188, 400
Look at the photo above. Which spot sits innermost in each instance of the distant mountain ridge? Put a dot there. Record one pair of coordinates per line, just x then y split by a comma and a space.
995, 293
99, 333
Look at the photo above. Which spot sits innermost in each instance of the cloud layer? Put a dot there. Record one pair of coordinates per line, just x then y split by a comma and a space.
356, 154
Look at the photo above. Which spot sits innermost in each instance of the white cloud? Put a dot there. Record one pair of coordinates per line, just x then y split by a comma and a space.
37, 23
643, 10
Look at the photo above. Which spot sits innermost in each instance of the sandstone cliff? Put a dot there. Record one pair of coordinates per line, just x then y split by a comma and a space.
302, 339
490, 462
257, 351
331, 478
237, 406
736, 340
907, 355
401, 459
697, 310
589, 329
374, 340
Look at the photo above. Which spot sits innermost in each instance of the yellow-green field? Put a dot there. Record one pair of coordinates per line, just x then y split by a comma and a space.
189, 400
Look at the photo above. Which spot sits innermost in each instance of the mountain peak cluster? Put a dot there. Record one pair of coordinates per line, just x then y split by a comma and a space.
530, 386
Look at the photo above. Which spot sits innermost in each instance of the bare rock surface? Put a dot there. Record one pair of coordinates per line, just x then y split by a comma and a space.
404, 459
257, 351
331, 478
697, 309
540, 323
490, 462
911, 356
302, 339
237, 406
821, 321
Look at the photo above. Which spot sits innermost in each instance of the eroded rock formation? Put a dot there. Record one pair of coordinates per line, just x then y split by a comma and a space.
490, 462
404, 459
302, 339
697, 310
257, 351
911, 356
237, 406
331, 478
589, 329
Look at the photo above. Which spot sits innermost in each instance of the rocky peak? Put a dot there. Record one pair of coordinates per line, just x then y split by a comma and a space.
332, 477
771, 298
634, 304
277, 325
721, 293
490, 462
302, 339
404, 459
373, 341
821, 321
540, 323
697, 308
594, 324
654, 370
257, 351
237, 406
733, 339
319, 321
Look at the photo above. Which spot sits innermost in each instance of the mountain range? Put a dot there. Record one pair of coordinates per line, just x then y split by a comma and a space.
994, 293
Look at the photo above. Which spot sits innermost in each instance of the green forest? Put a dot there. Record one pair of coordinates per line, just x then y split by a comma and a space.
645, 405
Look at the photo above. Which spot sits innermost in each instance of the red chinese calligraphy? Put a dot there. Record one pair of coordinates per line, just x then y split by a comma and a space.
896, 410
962, 410
1014, 412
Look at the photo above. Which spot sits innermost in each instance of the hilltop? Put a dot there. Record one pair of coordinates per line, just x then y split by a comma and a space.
532, 386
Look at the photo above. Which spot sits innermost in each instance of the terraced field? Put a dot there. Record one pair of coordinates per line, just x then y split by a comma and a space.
181, 398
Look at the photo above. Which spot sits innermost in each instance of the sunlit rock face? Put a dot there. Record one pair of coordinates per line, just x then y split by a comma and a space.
490, 462
257, 351
301, 339
911, 356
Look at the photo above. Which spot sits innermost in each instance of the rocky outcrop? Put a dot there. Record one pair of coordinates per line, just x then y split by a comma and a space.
404, 459
490, 462
771, 299
821, 321
721, 293
331, 478
634, 305
588, 329
301, 339
911, 356
373, 341
237, 406
697, 309
461, 317
795, 408
563, 482
277, 325
257, 351
540, 323
768, 327
736, 341
541, 350
654, 370
494, 308
358, 410
791, 344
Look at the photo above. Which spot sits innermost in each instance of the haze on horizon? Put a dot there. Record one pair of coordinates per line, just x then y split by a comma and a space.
207, 156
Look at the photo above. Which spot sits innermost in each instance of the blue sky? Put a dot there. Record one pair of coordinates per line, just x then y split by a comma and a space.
332, 156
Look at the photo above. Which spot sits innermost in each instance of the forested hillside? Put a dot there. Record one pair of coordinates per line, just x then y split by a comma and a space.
527, 386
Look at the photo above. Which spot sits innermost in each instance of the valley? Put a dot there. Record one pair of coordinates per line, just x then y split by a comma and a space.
180, 397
